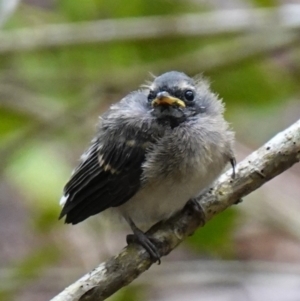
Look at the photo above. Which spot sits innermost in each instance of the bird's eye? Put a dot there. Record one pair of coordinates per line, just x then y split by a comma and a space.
189, 95
151, 95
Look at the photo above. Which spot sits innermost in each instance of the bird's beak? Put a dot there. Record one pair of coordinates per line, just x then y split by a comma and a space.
164, 98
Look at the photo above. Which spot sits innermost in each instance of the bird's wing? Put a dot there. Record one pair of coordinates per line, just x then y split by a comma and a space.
108, 176
110, 171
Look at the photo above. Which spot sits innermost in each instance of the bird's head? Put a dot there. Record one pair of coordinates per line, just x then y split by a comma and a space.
175, 97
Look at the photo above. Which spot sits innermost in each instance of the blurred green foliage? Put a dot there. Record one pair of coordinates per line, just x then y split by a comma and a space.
35, 263
11, 122
76, 10
25, 270
38, 171
215, 238
129, 293
265, 3
38, 165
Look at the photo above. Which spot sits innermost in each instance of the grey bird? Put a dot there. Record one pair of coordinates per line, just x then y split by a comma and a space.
156, 149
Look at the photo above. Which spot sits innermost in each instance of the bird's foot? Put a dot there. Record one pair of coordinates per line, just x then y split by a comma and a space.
238, 201
148, 243
233, 164
142, 239
195, 206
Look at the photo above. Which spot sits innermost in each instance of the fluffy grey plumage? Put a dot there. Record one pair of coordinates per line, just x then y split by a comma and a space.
153, 151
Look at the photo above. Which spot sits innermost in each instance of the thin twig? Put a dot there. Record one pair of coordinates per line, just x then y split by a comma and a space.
277, 155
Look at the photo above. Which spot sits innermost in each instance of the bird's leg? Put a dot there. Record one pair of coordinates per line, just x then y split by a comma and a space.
142, 239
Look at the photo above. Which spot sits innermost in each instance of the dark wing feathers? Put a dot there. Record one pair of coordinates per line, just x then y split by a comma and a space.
108, 177
84, 171
110, 171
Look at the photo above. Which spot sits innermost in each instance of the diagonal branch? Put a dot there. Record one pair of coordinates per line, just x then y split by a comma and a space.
277, 155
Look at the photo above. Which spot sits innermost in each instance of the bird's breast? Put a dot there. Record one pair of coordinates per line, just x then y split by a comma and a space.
175, 170
164, 194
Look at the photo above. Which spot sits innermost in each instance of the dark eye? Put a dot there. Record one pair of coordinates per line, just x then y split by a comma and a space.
151, 95
189, 95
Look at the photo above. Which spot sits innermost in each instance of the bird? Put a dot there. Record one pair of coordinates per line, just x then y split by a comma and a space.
154, 150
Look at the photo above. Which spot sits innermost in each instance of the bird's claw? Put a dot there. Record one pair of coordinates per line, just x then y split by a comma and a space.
233, 164
148, 243
195, 206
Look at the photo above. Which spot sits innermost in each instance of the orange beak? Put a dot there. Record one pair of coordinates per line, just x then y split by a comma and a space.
164, 98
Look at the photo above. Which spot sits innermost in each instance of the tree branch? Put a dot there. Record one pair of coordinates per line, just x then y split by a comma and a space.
277, 155
153, 27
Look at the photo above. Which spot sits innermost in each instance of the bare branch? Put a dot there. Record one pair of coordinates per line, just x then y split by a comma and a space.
157, 27
273, 158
